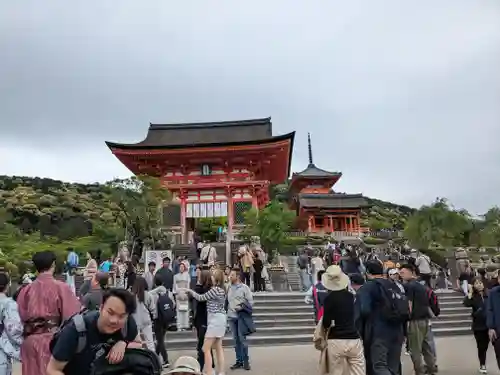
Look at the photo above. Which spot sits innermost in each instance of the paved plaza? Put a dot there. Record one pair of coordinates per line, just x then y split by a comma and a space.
456, 356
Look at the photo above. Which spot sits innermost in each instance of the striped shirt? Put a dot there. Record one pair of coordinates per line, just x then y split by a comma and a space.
215, 298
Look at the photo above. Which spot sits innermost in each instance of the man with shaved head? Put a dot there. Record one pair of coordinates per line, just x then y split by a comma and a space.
99, 284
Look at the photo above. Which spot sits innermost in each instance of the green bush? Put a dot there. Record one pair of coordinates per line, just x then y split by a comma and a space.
302, 241
374, 241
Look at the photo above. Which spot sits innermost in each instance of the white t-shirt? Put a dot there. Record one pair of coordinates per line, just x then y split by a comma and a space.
424, 264
317, 265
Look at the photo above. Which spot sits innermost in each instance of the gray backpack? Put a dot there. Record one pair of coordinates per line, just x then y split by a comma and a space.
80, 321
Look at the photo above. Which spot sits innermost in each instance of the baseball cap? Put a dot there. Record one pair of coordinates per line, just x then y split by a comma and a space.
186, 364
393, 271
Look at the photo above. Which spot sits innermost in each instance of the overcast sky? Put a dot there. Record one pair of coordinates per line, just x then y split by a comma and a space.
402, 97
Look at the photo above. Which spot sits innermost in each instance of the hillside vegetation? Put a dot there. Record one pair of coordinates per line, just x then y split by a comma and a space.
385, 215
41, 213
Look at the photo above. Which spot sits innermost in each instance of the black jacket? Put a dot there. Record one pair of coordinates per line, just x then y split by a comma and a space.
166, 276
200, 308
478, 314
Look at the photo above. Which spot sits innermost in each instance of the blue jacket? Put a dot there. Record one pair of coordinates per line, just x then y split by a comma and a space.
246, 325
493, 310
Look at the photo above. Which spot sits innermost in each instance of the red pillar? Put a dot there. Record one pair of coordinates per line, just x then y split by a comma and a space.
230, 214
255, 202
230, 222
182, 196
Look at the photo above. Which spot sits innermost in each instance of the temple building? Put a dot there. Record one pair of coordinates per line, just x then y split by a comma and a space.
213, 169
319, 209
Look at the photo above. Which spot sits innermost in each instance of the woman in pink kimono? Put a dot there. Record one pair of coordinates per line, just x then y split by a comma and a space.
43, 305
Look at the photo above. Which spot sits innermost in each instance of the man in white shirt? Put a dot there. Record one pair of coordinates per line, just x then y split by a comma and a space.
423, 264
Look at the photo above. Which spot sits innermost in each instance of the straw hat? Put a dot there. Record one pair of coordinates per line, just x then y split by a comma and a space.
334, 279
186, 364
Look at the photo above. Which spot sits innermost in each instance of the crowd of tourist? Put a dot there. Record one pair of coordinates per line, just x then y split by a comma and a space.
52, 325
367, 312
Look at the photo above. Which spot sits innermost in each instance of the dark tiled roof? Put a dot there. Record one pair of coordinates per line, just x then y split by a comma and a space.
203, 133
313, 171
333, 200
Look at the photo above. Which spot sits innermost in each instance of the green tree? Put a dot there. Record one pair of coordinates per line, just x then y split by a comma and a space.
491, 231
270, 224
438, 223
139, 201
376, 224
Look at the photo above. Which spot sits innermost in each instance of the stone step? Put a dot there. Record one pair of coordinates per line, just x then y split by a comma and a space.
188, 343
306, 309
292, 315
442, 321
306, 327
258, 308
456, 331
295, 301
442, 296
451, 323
452, 316
261, 331
284, 319
288, 315
457, 309
278, 322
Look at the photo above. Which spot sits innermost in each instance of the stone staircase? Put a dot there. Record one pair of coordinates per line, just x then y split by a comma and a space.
284, 319
189, 252
184, 251
290, 264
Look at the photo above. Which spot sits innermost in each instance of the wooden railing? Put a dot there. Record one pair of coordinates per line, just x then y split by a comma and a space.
335, 234
377, 234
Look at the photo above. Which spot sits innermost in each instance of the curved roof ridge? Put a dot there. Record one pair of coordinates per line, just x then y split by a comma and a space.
313, 171
330, 195
264, 120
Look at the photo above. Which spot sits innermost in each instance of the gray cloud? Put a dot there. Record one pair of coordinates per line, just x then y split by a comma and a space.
403, 98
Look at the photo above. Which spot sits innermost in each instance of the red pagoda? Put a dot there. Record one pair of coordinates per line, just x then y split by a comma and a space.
319, 208
213, 169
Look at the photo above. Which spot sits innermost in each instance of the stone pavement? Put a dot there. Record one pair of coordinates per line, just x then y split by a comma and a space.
456, 356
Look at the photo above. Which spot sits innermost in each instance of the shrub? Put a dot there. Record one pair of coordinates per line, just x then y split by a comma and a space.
374, 241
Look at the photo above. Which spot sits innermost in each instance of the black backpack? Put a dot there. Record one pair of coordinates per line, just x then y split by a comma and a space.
135, 361
80, 321
433, 303
166, 310
394, 307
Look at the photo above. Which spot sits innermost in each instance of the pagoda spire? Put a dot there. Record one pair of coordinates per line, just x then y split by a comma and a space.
309, 147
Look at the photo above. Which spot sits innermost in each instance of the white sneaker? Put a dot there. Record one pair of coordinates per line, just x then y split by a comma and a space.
482, 370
